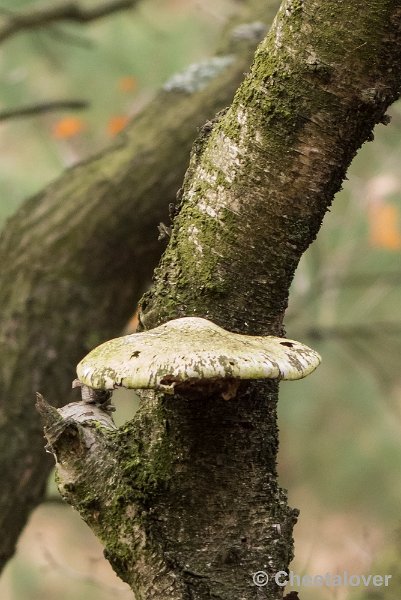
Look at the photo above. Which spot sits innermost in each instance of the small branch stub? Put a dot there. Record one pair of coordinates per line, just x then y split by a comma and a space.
192, 351
56, 420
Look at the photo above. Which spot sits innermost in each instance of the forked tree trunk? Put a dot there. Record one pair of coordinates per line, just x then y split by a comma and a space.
185, 497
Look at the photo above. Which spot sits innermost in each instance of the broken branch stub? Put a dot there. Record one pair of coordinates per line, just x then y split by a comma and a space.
192, 351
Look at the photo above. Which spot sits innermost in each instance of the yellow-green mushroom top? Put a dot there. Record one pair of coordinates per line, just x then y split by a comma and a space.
191, 350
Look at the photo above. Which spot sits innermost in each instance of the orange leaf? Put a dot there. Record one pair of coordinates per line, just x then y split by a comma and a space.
68, 127
384, 231
127, 84
116, 124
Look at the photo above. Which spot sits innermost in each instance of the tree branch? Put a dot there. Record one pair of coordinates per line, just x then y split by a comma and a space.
42, 108
76, 257
70, 11
364, 331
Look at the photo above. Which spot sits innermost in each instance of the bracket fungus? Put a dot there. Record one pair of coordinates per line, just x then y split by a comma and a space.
192, 354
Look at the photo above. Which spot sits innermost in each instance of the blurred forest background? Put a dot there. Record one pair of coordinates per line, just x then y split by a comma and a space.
340, 455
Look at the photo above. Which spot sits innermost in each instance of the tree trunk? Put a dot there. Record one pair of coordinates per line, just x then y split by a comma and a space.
76, 257
185, 497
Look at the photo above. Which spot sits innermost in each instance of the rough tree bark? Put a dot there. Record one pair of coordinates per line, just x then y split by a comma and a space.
185, 497
76, 257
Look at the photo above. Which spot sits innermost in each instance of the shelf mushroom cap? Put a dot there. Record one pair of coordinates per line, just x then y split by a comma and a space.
192, 350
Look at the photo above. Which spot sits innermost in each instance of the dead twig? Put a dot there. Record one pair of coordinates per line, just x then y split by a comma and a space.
14, 22
33, 110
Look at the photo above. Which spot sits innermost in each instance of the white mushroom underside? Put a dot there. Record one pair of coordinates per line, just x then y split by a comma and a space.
192, 349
